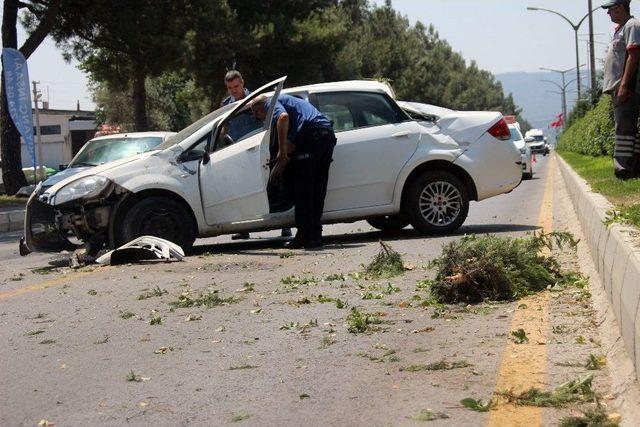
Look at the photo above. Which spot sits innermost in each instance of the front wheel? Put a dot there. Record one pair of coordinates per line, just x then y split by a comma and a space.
437, 202
160, 217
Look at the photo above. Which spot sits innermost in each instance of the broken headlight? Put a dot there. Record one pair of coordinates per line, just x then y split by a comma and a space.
86, 188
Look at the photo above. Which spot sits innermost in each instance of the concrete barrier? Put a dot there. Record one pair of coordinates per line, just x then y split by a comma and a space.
615, 254
11, 221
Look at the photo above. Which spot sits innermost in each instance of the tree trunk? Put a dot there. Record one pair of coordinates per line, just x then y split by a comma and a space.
140, 102
12, 174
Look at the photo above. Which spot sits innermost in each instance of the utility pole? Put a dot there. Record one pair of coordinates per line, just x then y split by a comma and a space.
563, 87
36, 98
575, 27
592, 52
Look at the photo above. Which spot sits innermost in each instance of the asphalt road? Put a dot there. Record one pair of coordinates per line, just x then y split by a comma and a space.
78, 347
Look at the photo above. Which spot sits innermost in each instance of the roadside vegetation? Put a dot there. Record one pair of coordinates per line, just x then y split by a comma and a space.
587, 145
592, 134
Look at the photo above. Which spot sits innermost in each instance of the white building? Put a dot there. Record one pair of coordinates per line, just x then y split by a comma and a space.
63, 133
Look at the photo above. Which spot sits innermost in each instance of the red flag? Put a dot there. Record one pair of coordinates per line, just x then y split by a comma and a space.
559, 122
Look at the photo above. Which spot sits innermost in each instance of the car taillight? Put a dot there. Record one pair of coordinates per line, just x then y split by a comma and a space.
500, 130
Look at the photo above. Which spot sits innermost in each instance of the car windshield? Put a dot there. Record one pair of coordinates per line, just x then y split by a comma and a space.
193, 128
538, 138
99, 151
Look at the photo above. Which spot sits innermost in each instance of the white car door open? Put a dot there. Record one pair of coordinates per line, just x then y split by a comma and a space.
233, 183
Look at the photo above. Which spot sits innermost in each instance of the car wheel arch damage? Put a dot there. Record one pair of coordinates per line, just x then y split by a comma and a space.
128, 202
439, 165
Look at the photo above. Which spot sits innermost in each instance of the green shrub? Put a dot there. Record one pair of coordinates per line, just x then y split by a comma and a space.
592, 134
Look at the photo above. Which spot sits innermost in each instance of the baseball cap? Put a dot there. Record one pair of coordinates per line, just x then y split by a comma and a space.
615, 3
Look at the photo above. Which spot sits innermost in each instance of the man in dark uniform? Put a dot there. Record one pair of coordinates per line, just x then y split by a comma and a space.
240, 125
305, 137
621, 81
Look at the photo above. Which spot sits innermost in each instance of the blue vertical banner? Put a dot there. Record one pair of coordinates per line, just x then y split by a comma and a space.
16, 85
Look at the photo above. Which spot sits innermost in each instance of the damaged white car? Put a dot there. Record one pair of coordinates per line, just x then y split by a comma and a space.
211, 178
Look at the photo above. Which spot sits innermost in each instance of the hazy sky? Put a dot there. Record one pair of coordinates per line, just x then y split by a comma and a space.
503, 36
500, 35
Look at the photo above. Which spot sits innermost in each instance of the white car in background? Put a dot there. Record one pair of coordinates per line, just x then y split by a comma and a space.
525, 151
388, 169
536, 140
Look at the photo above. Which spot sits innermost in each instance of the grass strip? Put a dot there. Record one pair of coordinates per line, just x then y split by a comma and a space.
598, 172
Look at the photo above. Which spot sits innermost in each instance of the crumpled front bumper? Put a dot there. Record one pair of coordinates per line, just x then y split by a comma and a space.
41, 230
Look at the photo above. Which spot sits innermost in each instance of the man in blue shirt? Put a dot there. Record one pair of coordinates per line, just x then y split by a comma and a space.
305, 137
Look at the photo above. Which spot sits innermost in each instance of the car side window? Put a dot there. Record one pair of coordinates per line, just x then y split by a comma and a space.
340, 117
353, 110
239, 127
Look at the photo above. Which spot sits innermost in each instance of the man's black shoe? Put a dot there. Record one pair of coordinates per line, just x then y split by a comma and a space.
313, 245
623, 175
240, 236
294, 244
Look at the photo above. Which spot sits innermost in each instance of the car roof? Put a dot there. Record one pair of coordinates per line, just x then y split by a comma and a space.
161, 134
346, 86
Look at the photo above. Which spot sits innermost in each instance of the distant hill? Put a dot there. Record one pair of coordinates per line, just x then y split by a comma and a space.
529, 92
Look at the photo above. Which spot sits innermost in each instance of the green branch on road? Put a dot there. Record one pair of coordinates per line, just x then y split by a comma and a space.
478, 268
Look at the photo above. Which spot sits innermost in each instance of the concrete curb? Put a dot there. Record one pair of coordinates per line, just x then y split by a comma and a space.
616, 257
11, 221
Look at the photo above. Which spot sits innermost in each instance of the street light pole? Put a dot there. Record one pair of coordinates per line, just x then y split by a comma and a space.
563, 93
575, 27
563, 88
592, 51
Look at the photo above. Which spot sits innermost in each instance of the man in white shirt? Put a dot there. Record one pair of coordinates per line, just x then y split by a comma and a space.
621, 81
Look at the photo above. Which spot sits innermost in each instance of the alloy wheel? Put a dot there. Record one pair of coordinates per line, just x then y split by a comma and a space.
440, 203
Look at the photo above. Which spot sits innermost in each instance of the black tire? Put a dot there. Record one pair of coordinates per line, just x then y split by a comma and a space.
388, 223
527, 175
160, 217
445, 203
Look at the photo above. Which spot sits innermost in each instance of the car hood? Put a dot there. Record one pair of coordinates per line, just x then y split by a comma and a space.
62, 175
99, 170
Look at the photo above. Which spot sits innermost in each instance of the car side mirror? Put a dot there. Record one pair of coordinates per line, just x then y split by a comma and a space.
189, 156
62, 167
206, 158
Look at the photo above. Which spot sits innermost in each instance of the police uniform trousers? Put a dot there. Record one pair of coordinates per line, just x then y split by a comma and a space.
626, 157
312, 158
